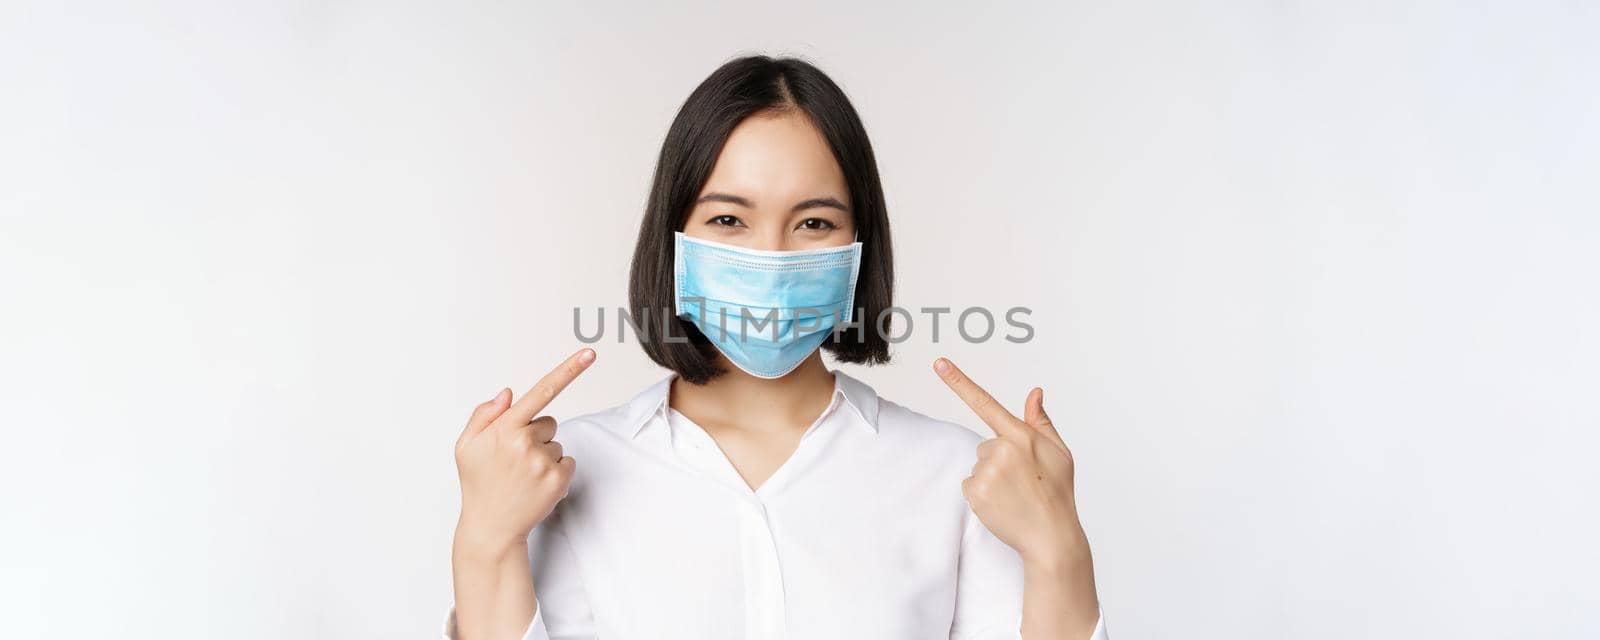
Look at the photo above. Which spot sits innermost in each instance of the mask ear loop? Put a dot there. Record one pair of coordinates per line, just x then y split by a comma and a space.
855, 271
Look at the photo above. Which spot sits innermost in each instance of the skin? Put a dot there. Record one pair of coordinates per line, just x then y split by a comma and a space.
775, 186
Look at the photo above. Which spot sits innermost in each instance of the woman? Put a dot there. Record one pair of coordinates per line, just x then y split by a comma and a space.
753, 493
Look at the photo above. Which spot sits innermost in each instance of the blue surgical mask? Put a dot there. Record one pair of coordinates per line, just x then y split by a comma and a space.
765, 310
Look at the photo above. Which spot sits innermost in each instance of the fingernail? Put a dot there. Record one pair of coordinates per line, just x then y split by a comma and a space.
941, 365
586, 356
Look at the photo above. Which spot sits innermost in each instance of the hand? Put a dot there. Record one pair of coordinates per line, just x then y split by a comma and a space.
1021, 487
513, 472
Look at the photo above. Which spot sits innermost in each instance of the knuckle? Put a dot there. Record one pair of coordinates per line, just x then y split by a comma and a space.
540, 464
982, 400
976, 487
550, 474
544, 391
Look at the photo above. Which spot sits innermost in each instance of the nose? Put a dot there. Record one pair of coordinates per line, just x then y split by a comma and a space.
773, 239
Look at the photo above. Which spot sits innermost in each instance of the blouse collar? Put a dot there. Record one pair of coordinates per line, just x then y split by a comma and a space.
652, 402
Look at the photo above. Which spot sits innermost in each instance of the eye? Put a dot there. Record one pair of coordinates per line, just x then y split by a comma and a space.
725, 221
817, 224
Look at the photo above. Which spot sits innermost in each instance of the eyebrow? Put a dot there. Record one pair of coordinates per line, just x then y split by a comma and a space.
808, 204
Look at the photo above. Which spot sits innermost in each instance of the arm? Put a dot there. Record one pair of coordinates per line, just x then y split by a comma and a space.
1022, 490
561, 611
1058, 596
995, 589
493, 586
513, 473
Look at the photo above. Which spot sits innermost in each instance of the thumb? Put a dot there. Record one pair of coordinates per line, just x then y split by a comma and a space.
1033, 414
484, 414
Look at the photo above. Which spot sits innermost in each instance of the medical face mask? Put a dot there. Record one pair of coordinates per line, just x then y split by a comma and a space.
765, 310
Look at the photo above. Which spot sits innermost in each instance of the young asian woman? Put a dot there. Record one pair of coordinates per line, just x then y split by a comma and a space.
754, 493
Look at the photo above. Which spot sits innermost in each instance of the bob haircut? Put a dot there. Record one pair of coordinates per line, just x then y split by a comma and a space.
737, 90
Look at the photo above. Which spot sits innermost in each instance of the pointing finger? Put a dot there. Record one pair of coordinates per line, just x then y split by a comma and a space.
548, 387
983, 404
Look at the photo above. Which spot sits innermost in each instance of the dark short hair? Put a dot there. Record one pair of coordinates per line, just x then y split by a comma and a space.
735, 91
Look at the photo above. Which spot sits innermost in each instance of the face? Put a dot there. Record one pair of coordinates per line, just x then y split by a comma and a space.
775, 187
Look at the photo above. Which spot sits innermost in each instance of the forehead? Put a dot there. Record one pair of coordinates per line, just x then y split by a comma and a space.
777, 156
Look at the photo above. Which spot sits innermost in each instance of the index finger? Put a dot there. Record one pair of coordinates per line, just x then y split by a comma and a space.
548, 387
983, 404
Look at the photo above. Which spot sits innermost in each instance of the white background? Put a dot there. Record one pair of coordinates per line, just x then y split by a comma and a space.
1315, 289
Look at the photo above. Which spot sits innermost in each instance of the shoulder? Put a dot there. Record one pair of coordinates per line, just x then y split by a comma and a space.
607, 425
898, 422
615, 423
929, 455
923, 432
608, 419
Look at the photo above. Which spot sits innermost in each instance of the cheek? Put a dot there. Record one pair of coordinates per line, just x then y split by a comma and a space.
735, 236
694, 220
844, 234
699, 225
814, 240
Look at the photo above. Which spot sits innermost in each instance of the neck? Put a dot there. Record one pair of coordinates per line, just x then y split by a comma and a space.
738, 400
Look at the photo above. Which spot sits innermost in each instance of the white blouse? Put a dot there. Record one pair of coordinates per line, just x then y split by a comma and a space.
861, 533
